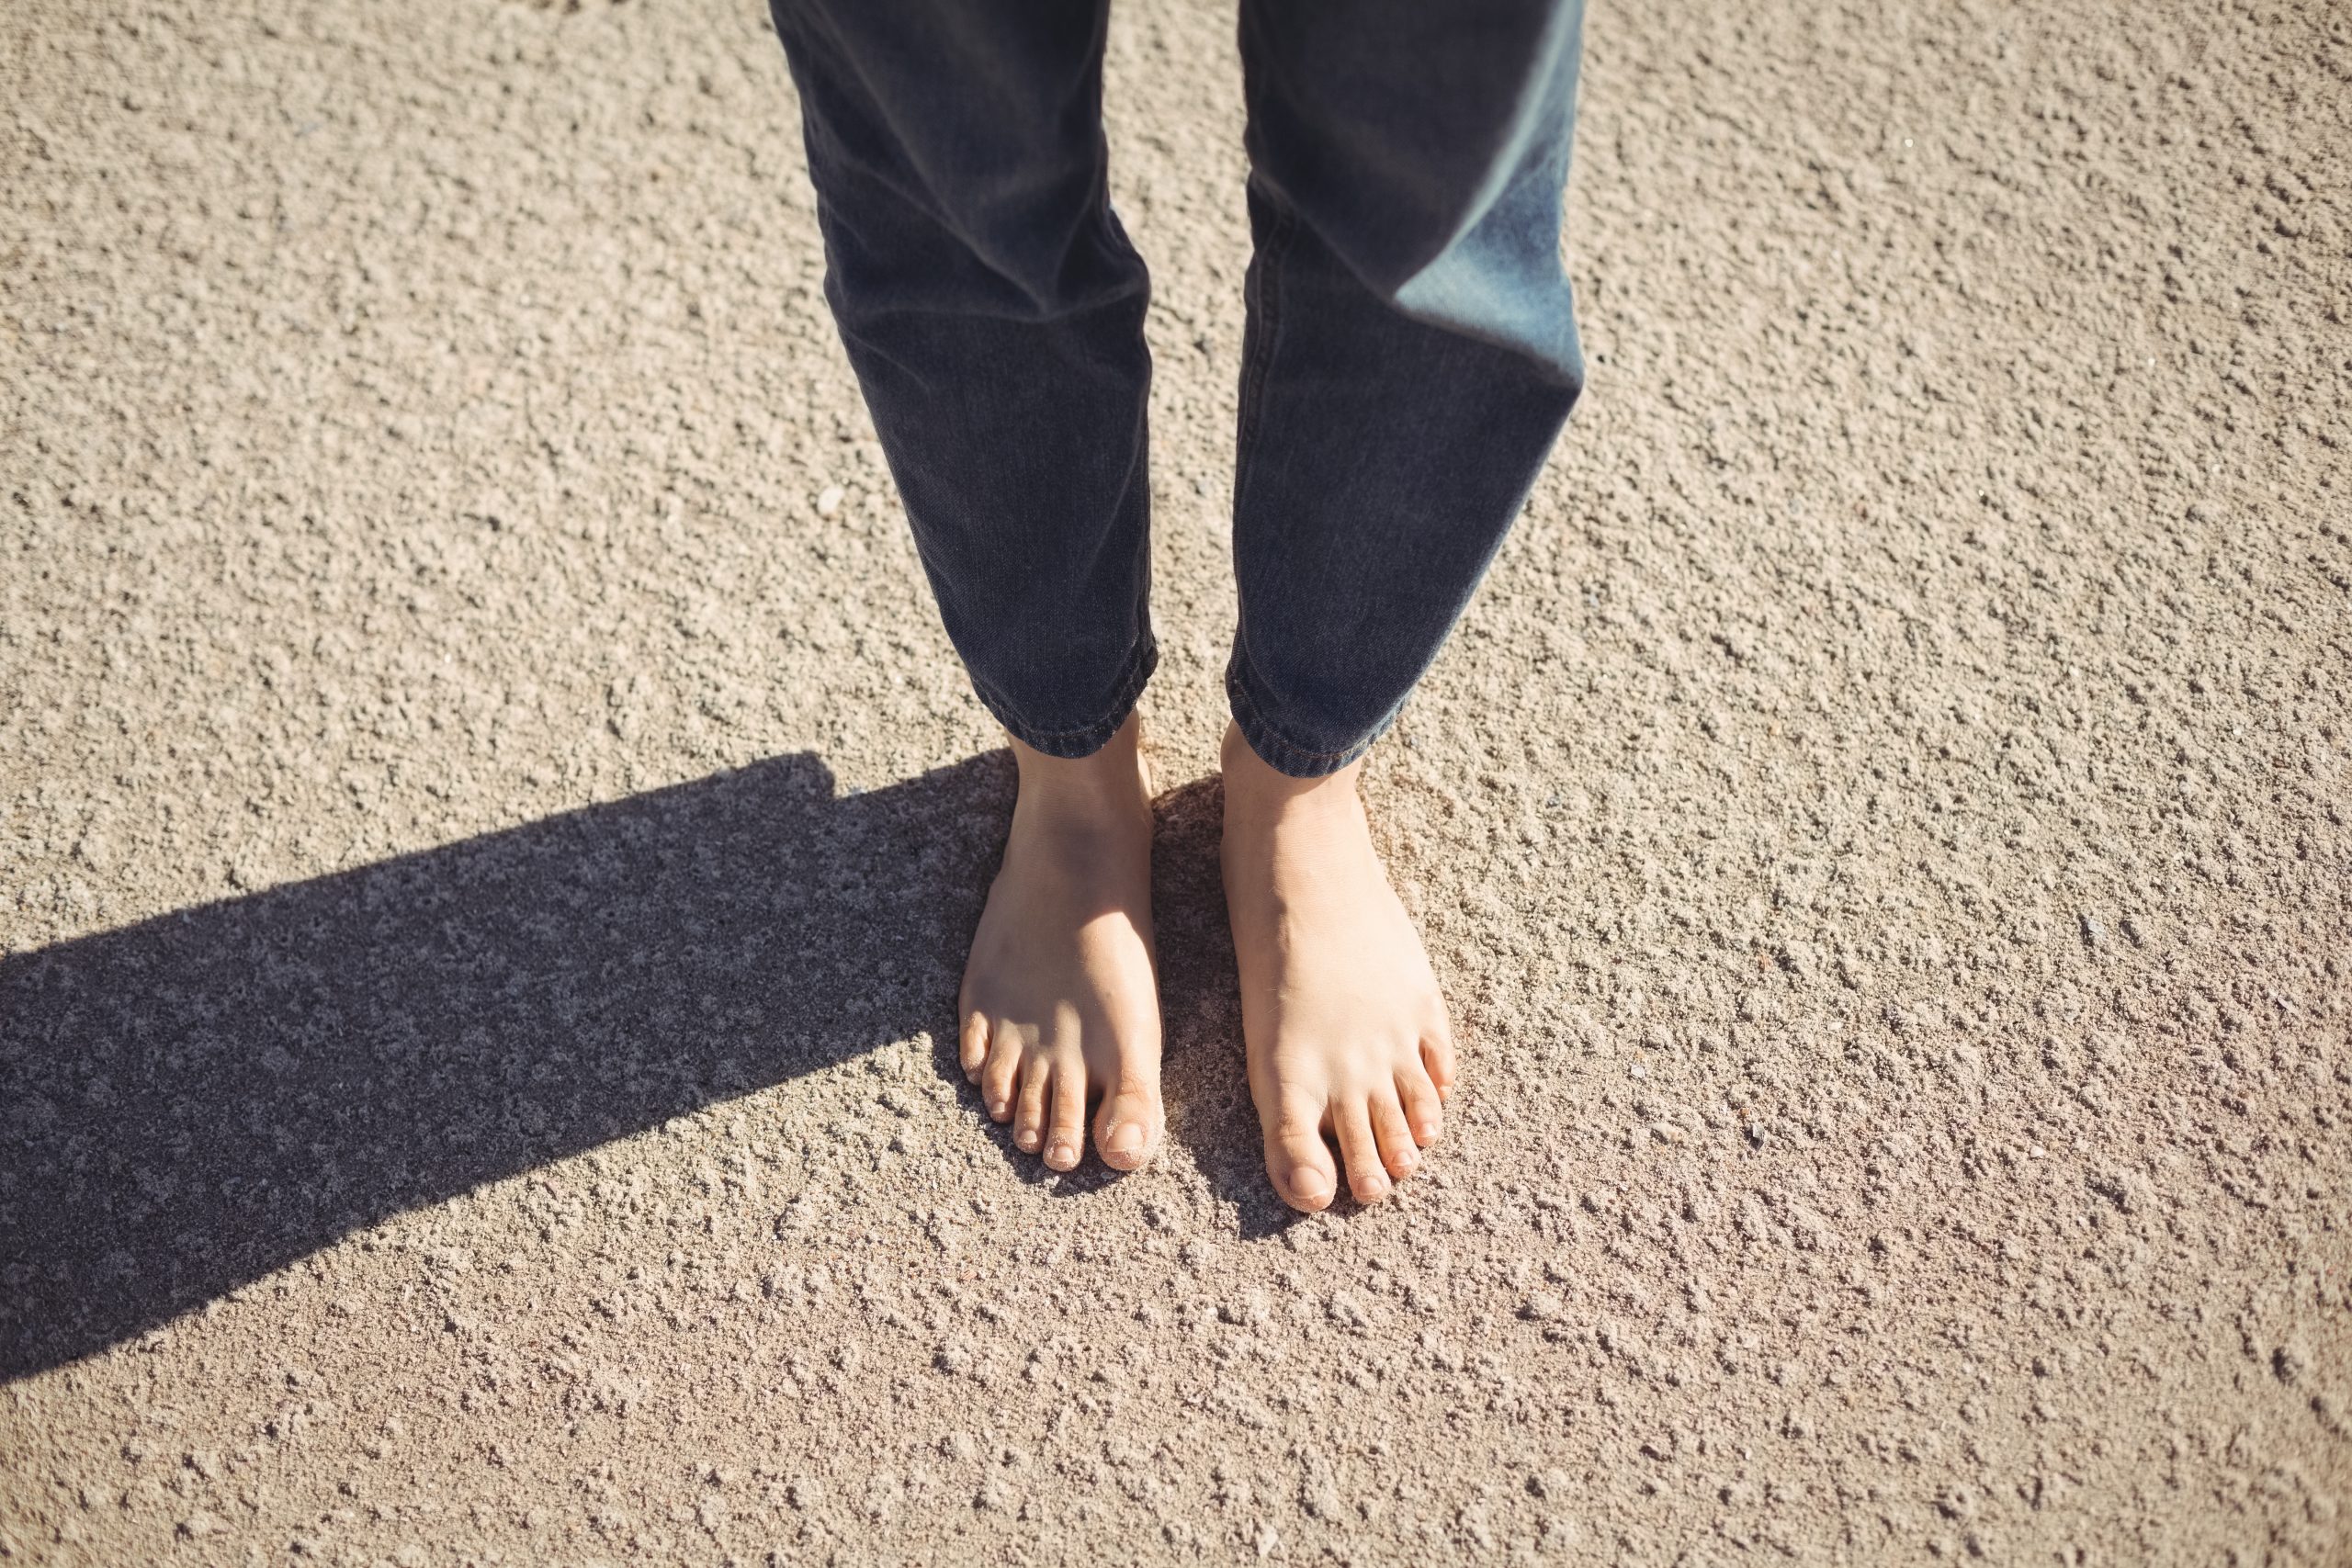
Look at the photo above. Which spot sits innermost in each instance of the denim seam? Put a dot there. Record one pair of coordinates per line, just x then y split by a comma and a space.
1086, 738
1254, 374
1277, 750
1261, 365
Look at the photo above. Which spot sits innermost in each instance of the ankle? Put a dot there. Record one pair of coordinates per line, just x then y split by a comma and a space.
1259, 795
1108, 786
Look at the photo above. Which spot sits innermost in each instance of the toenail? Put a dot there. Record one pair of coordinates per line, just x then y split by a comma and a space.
1125, 1139
1310, 1184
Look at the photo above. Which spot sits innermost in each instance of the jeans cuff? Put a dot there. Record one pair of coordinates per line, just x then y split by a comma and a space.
1089, 739
1278, 753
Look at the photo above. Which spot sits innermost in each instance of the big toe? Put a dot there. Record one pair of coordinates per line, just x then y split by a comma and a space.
1300, 1166
1127, 1127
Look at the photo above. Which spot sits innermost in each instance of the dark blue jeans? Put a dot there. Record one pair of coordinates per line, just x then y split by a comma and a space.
1409, 357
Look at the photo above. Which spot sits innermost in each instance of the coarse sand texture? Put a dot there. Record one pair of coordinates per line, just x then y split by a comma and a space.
490, 824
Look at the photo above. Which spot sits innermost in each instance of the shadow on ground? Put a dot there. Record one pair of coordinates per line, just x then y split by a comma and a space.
192, 1102
195, 1101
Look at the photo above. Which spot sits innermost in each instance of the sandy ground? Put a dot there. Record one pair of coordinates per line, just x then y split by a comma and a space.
491, 825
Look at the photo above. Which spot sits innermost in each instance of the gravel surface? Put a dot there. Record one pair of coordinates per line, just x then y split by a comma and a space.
488, 824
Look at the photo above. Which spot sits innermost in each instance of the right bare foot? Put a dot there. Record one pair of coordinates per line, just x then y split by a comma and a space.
1060, 1001
1346, 1032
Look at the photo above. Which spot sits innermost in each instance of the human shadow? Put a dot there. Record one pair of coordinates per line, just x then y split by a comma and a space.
192, 1102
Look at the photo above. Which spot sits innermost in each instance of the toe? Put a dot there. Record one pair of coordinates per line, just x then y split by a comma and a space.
1419, 1097
1001, 1073
1437, 1060
972, 1049
1360, 1152
1029, 1107
1066, 1116
1296, 1160
1399, 1154
1127, 1129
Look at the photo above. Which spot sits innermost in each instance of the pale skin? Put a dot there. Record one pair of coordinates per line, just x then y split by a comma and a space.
1345, 1029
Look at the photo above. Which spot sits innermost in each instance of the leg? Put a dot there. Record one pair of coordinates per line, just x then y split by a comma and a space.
1412, 356
993, 311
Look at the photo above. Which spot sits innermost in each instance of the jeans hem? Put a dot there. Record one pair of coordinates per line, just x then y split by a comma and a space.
1272, 747
1087, 739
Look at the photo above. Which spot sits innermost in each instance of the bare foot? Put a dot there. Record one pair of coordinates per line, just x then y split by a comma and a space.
1346, 1031
1060, 1002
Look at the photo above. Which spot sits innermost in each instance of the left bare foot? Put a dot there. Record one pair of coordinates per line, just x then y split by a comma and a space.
1346, 1032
